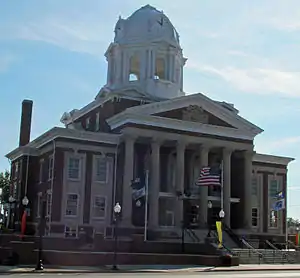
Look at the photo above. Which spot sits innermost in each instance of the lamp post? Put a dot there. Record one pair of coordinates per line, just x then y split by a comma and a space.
11, 201
25, 201
39, 264
117, 211
209, 206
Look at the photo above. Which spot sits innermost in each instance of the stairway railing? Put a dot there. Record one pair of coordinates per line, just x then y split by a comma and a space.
285, 254
253, 250
233, 235
192, 235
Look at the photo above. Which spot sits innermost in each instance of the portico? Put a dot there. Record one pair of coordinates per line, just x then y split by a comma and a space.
181, 172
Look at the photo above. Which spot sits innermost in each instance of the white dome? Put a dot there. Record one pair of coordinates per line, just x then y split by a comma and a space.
145, 25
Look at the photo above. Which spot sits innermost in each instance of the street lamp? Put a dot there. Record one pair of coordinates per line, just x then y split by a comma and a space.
11, 201
39, 264
25, 201
209, 206
117, 211
222, 214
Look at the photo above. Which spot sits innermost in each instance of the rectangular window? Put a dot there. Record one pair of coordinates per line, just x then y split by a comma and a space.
50, 168
99, 208
38, 206
72, 205
41, 171
97, 125
16, 169
101, 170
48, 204
87, 123
74, 168
254, 186
255, 217
273, 219
273, 188
71, 231
169, 218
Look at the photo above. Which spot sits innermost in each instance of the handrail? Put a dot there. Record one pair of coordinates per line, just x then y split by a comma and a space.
192, 235
272, 245
251, 248
292, 243
232, 234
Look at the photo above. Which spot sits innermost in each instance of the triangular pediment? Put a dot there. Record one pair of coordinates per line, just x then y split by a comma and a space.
194, 113
198, 108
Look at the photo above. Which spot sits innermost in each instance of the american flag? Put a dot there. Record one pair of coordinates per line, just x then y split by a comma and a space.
209, 177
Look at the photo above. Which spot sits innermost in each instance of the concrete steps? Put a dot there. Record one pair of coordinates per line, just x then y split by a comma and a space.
268, 256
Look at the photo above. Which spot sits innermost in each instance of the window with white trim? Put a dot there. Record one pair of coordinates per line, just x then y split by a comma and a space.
17, 166
41, 171
87, 123
48, 204
50, 167
71, 231
255, 217
97, 124
72, 205
273, 219
101, 169
169, 221
38, 205
99, 207
254, 186
273, 188
74, 168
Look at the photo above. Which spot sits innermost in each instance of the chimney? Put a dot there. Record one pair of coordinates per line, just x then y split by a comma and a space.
25, 127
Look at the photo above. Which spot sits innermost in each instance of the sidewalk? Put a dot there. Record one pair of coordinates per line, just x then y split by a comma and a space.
149, 269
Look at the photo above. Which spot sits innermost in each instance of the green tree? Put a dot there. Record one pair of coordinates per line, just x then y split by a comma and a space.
4, 186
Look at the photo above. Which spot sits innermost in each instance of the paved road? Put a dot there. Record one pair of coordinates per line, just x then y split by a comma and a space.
252, 274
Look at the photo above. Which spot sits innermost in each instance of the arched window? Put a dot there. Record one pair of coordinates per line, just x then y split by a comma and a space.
134, 67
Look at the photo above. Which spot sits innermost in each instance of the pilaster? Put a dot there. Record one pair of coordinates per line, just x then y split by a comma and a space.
203, 152
128, 177
154, 183
180, 155
248, 156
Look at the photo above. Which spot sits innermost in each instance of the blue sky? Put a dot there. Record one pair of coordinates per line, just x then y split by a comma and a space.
244, 52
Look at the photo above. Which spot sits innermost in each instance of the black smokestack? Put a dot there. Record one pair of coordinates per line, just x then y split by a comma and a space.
25, 127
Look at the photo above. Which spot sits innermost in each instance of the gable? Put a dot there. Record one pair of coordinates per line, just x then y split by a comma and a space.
194, 113
220, 115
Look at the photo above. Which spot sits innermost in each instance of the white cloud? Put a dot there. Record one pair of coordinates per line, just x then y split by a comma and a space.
6, 60
267, 145
257, 80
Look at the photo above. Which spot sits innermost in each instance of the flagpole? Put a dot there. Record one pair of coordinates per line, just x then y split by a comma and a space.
222, 187
146, 204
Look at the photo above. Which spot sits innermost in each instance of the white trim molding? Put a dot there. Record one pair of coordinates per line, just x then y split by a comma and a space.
272, 159
176, 124
32, 148
215, 108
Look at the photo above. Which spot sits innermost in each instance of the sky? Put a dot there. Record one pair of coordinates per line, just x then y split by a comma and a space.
243, 52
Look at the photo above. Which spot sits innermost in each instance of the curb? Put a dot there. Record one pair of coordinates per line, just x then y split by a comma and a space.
249, 269
213, 269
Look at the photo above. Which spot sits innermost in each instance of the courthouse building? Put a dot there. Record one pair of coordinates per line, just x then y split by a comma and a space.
142, 119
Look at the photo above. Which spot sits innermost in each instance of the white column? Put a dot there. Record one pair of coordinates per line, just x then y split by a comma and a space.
154, 184
204, 151
227, 184
128, 176
248, 155
180, 153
